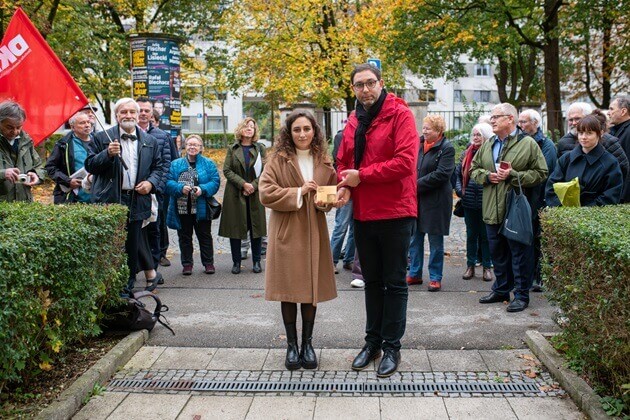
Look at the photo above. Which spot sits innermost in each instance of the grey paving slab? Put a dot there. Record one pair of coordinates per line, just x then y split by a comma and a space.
426, 408
297, 408
150, 406
339, 359
275, 359
100, 406
456, 360
479, 408
545, 408
238, 359
414, 360
144, 358
184, 358
364, 408
216, 407
509, 360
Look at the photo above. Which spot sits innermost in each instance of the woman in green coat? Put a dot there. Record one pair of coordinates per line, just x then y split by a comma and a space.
242, 211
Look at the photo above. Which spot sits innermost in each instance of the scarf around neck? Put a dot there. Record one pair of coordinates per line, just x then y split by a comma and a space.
365, 118
466, 164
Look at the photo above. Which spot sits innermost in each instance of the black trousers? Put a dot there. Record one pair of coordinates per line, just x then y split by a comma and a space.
136, 247
235, 243
383, 246
203, 230
513, 264
164, 243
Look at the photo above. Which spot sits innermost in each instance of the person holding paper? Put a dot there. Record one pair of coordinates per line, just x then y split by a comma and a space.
299, 259
66, 163
597, 170
242, 211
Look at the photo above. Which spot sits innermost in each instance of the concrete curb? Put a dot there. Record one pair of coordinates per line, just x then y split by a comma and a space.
69, 402
581, 393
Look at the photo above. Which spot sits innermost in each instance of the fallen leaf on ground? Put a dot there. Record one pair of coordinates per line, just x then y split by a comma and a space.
531, 374
256, 296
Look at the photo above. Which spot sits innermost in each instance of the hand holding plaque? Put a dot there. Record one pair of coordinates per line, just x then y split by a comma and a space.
326, 194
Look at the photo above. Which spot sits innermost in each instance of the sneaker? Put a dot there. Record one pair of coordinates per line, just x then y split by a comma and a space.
357, 283
411, 280
347, 266
336, 269
434, 286
209, 269
187, 271
165, 262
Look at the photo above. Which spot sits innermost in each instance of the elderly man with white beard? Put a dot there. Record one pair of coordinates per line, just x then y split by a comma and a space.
126, 165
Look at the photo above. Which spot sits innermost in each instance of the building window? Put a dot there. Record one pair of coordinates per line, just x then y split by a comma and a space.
482, 70
185, 123
213, 124
457, 123
481, 96
427, 95
457, 95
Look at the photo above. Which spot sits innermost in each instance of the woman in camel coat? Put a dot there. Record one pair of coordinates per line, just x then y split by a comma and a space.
299, 261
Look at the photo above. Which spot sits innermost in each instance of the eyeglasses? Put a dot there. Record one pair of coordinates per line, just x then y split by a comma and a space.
496, 117
358, 87
574, 120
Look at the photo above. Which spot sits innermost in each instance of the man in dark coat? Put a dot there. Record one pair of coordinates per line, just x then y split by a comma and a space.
67, 157
619, 114
530, 123
127, 167
164, 140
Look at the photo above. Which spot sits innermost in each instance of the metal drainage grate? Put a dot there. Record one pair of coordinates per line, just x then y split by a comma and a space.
325, 387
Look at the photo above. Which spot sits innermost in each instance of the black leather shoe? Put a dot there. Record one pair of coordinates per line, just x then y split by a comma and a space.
257, 268
494, 298
307, 352
236, 268
152, 284
365, 356
389, 363
517, 305
292, 360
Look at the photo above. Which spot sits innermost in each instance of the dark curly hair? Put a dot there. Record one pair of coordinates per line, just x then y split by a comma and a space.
284, 142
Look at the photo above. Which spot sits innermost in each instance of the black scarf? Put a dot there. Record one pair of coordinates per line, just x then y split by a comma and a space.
365, 118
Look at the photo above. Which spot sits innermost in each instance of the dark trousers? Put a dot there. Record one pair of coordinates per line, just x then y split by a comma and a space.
513, 264
235, 243
164, 243
476, 238
204, 236
383, 246
132, 246
537, 251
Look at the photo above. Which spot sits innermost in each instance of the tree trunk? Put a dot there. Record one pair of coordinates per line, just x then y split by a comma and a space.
607, 65
350, 104
551, 51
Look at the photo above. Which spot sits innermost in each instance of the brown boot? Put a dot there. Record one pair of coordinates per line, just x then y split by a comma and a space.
470, 273
487, 274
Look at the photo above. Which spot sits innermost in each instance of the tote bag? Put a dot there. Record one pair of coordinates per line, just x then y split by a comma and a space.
517, 225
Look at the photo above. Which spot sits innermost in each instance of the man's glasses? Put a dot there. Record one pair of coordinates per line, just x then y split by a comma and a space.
358, 87
496, 117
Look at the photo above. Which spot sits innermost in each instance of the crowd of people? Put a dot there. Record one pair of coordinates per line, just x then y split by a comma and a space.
394, 187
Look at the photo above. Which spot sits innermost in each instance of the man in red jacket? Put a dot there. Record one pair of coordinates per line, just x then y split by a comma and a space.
376, 165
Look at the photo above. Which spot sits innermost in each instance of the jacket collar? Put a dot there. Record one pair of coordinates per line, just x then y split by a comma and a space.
615, 130
591, 157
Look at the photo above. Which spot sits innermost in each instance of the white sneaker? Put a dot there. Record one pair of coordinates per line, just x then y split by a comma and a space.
357, 283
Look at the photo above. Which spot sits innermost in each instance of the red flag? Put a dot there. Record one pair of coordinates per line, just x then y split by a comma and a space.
33, 76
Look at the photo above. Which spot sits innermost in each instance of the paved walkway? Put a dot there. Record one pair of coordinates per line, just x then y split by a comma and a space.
155, 366
228, 335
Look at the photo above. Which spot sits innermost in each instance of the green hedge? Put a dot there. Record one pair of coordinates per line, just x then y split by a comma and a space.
587, 273
59, 266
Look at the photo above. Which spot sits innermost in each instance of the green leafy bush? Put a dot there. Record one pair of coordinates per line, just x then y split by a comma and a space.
215, 140
586, 264
59, 266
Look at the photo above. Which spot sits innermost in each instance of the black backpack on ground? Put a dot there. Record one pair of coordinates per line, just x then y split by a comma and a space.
134, 316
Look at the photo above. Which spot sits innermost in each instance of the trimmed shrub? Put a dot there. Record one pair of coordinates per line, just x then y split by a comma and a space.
59, 266
215, 140
586, 265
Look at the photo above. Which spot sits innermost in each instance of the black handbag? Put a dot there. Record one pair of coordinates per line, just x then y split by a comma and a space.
517, 225
459, 209
214, 208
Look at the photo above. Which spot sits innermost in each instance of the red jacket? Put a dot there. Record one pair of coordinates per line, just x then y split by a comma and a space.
388, 172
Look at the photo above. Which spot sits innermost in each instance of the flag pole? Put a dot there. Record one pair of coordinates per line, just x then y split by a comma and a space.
122, 161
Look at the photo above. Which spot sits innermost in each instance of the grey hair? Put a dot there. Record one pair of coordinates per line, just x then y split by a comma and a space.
484, 128
623, 102
194, 137
73, 119
582, 106
11, 110
507, 109
532, 114
124, 101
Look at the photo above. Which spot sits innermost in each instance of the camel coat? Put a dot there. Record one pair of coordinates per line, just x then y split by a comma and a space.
299, 261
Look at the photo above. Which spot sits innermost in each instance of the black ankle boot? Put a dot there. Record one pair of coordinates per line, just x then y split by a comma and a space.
292, 361
307, 354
